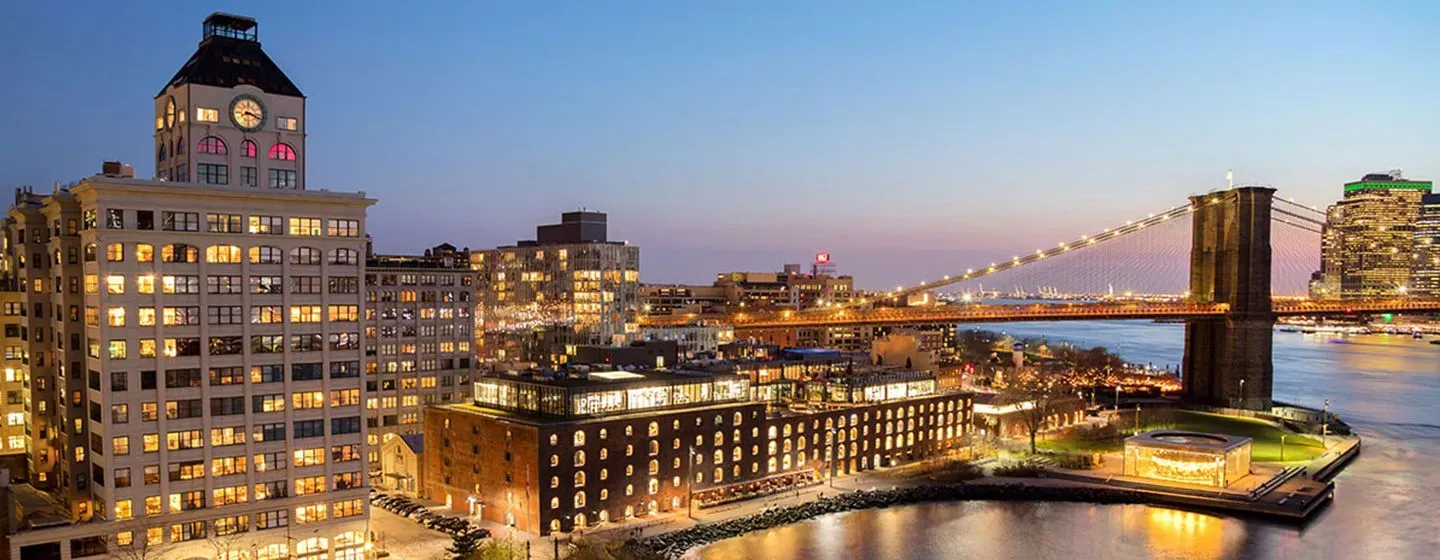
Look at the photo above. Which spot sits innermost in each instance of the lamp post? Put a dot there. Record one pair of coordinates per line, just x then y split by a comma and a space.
831, 431
1242, 393
1282, 448
1325, 426
690, 485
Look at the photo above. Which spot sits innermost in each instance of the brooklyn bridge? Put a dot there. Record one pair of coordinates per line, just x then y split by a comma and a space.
1229, 309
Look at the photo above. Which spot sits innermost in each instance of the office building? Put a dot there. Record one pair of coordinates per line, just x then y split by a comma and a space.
196, 366
418, 344
1325, 283
1425, 281
1376, 228
540, 299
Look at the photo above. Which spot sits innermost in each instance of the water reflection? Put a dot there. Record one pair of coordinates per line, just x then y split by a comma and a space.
1386, 386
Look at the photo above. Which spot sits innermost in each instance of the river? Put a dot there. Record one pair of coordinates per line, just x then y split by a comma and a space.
1387, 503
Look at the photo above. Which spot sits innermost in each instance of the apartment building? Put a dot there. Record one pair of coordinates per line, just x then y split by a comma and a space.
196, 342
419, 337
540, 299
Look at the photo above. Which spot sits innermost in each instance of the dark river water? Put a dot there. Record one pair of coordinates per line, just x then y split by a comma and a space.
1387, 503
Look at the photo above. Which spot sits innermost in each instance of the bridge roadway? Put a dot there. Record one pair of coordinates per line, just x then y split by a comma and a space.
980, 313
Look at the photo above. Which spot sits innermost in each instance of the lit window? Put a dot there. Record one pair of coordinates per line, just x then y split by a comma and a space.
117, 349
282, 151
115, 252
287, 123
115, 284
222, 254
207, 114
115, 316
211, 145
144, 252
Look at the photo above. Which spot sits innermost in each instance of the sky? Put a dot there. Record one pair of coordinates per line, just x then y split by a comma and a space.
907, 139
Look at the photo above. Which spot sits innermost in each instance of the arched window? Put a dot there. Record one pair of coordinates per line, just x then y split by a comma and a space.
580, 458
654, 447
580, 499
654, 429
265, 254
248, 149
179, 253
90, 251
144, 252
738, 417
211, 145
179, 145
160, 152
579, 438
304, 255
351, 256
579, 478
223, 254
554, 504
654, 466
554, 482
282, 152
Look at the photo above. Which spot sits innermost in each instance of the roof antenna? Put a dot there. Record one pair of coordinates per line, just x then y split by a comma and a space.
1230, 177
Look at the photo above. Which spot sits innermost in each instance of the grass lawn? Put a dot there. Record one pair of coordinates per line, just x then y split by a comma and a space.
1266, 436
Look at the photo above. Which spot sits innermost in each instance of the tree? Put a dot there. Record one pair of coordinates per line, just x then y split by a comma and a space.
138, 548
1034, 391
228, 546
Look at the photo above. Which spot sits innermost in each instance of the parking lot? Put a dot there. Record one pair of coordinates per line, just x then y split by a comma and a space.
404, 538
405, 528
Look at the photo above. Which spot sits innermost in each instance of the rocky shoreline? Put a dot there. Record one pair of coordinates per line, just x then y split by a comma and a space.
673, 545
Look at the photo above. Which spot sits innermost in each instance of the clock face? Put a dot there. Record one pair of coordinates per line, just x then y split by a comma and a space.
247, 113
170, 113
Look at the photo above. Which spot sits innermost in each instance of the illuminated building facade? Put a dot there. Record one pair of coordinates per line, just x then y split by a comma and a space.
1425, 282
538, 300
419, 337
552, 454
196, 365
1376, 226
1213, 460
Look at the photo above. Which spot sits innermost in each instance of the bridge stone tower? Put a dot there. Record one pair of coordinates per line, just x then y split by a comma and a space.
1227, 359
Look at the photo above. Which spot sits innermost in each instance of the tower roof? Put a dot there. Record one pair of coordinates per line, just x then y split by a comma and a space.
230, 55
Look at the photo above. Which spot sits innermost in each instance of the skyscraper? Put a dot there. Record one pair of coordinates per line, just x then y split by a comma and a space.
196, 355
1425, 281
1376, 229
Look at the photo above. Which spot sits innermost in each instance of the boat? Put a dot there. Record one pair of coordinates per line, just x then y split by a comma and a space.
1417, 335
1436, 341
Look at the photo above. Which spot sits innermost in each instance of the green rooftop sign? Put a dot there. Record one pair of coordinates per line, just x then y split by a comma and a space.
1410, 185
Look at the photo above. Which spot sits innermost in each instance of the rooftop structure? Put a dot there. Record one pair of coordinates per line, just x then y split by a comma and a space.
607, 393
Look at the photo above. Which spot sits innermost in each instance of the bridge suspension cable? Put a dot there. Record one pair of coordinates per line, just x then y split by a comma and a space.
1084, 242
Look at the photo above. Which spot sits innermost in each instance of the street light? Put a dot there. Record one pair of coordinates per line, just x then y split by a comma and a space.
1325, 426
831, 430
690, 485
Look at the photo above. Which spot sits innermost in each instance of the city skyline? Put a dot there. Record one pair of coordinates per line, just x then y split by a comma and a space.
808, 121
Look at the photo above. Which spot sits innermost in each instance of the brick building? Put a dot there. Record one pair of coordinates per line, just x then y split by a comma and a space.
550, 453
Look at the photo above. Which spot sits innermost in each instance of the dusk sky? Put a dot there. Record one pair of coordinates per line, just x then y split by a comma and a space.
907, 139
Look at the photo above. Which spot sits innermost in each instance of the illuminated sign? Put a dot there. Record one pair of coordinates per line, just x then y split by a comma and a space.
822, 258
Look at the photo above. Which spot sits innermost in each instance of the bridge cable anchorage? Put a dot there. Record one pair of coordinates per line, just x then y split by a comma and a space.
1018, 261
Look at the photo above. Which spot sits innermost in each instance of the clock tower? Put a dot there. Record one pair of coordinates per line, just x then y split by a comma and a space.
230, 116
